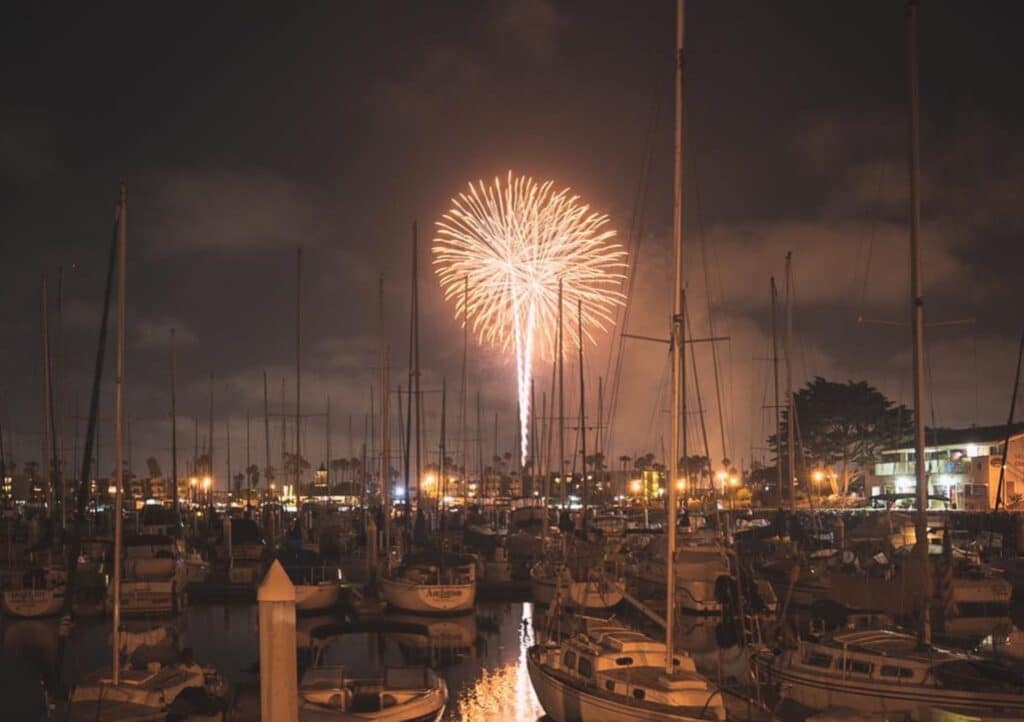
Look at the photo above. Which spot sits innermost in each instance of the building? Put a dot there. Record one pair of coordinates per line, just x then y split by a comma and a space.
962, 464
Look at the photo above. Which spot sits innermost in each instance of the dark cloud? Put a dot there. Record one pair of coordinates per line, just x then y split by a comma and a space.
243, 136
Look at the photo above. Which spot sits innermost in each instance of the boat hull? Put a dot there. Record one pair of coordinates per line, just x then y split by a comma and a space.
316, 597
566, 703
428, 598
30, 603
915, 702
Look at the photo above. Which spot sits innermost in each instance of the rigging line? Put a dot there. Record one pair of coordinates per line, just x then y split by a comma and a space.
637, 225
701, 235
871, 239
658, 399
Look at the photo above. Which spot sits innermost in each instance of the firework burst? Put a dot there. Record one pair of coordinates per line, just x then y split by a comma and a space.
500, 252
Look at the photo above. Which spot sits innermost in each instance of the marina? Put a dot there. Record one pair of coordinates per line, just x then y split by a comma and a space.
304, 514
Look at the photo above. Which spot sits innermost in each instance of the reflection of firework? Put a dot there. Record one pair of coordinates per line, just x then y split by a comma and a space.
500, 252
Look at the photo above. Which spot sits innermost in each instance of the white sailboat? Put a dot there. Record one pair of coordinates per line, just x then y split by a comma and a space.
609, 673
35, 592
430, 586
132, 689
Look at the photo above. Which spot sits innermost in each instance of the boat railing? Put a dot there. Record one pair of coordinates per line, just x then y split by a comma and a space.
314, 574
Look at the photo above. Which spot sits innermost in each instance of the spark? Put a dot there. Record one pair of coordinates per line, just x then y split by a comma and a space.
500, 251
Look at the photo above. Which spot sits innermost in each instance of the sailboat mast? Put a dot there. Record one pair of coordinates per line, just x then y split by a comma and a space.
790, 406
122, 242
416, 363
174, 429
677, 336
561, 402
917, 309
209, 451
49, 442
583, 413
463, 455
775, 378
266, 430
385, 402
298, 368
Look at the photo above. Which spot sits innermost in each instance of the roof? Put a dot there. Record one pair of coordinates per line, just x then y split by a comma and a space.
981, 435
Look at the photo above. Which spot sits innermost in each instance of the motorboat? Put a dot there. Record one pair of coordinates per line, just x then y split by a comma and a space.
329, 693
34, 592
880, 670
154, 579
610, 673
440, 584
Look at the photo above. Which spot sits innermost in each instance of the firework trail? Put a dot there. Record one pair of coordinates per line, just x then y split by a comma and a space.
510, 242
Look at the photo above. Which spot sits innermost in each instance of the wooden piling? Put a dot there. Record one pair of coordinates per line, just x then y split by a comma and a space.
279, 693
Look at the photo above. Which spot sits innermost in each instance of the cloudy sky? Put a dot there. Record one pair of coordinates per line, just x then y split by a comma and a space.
246, 130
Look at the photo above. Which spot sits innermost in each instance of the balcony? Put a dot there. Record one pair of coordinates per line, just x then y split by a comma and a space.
934, 466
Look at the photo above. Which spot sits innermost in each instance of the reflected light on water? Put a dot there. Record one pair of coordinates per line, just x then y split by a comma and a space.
505, 693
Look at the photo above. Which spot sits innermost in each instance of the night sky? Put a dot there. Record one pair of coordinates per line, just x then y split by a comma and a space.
246, 130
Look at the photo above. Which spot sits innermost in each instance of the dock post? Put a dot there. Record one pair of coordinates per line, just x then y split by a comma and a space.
279, 683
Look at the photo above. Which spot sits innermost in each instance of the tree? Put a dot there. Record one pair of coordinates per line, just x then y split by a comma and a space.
290, 470
839, 425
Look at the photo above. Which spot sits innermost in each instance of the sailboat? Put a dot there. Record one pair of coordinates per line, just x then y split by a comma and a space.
137, 688
607, 672
870, 667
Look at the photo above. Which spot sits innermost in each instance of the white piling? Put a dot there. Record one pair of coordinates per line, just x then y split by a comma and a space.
279, 684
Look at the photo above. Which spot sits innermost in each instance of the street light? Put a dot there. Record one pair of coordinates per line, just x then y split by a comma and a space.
818, 476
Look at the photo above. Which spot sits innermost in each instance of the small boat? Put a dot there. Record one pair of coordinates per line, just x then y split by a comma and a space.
880, 670
35, 592
610, 673
400, 694
440, 585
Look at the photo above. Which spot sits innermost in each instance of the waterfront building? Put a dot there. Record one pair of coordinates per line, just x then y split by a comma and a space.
962, 464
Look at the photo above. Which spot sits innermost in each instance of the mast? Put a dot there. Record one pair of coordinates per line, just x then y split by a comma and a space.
775, 377
174, 430
533, 438
479, 443
227, 436
327, 442
60, 415
284, 430
248, 457
583, 413
677, 336
209, 456
416, 364
1006, 441
442, 478
917, 309
49, 435
465, 378
266, 430
385, 400
298, 368
561, 401
790, 410
122, 242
